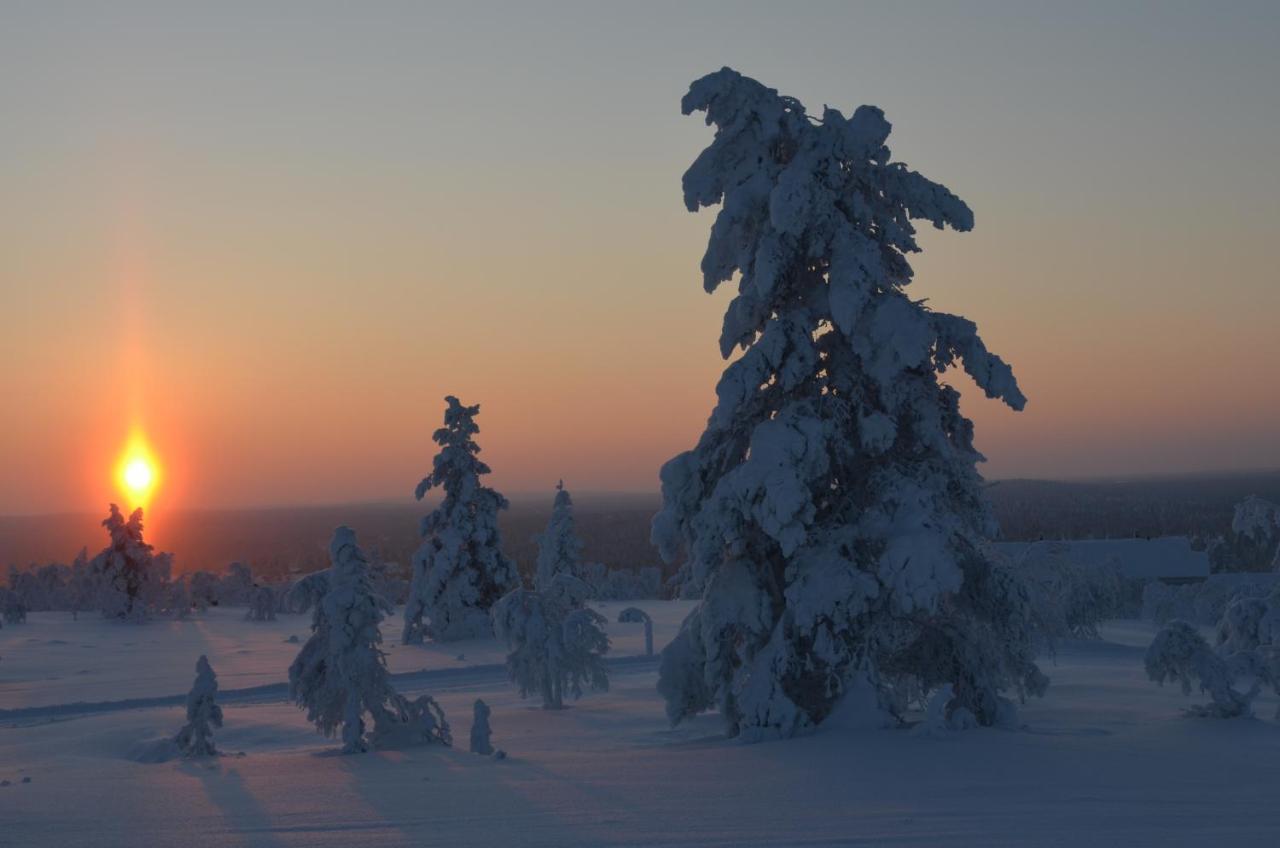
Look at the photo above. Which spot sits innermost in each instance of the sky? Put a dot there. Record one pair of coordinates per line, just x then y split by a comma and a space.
272, 237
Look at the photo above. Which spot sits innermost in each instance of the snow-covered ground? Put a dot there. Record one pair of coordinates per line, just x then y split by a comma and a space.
1105, 759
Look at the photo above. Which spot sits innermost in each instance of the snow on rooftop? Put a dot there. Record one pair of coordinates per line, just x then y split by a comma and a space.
1163, 557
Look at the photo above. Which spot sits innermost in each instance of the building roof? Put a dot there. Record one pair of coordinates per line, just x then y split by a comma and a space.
1163, 557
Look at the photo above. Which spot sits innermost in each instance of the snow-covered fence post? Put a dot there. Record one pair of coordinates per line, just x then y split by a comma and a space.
635, 615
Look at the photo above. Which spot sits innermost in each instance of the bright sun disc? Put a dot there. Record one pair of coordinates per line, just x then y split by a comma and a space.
137, 476
137, 473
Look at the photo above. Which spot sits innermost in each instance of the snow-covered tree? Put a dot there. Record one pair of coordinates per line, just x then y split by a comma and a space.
480, 730
559, 548
204, 590
123, 567
203, 714
236, 586
1181, 654
459, 572
831, 514
82, 584
341, 674
557, 645
1255, 527
262, 604
308, 591
12, 608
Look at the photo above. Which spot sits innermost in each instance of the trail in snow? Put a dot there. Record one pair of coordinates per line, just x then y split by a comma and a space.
434, 680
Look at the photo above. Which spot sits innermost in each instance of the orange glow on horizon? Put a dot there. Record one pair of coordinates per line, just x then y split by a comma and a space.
137, 473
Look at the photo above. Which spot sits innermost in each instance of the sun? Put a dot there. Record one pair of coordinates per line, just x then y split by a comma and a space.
137, 472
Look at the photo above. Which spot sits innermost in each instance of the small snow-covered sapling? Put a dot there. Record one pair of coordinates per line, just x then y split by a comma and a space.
203, 714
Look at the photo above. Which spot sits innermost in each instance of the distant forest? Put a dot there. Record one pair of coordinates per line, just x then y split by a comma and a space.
615, 528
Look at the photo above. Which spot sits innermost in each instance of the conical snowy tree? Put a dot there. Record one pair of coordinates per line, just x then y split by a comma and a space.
831, 515
203, 714
460, 570
559, 548
122, 568
341, 674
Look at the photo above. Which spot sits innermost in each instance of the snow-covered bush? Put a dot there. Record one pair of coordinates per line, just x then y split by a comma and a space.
557, 645
831, 514
1204, 602
622, 584
203, 714
1181, 654
235, 588
341, 674
480, 730
203, 590
262, 604
459, 572
1071, 598
12, 608
1255, 527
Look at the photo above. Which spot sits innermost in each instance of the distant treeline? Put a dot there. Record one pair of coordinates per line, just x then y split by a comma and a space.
615, 528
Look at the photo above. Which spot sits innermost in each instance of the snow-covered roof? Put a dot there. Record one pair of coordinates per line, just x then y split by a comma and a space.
1163, 557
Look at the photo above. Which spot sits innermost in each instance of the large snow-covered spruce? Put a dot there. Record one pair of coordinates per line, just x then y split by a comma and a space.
831, 515
203, 714
341, 674
559, 548
460, 570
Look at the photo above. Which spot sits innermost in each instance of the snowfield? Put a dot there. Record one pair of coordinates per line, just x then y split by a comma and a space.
1106, 758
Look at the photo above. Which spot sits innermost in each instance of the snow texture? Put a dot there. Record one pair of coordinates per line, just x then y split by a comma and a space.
459, 572
203, 714
830, 516
341, 674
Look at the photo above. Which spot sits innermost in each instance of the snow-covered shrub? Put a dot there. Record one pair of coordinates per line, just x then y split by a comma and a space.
635, 615
557, 644
262, 604
1255, 527
831, 513
1181, 654
203, 590
236, 586
12, 608
1205, 602
203, 714
459, 572
622, 584
1071, 598
341, 674
480, 730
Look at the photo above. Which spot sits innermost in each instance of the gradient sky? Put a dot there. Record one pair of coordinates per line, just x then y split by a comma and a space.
276, 237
